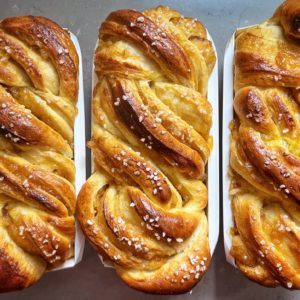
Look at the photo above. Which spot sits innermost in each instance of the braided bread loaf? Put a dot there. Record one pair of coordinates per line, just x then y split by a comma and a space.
265, 156
38, 94
143, 209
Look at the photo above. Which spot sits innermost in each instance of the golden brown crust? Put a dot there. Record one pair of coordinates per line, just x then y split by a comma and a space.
265, 157
145, 34
289, 16
50, 37
265, 57
37, 109
143, 208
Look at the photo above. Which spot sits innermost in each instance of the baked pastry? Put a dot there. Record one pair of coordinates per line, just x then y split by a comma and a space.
265, 157
38, 94
143, 209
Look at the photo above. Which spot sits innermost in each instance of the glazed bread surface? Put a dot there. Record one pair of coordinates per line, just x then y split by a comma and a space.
38, 94
143, 209
265, 152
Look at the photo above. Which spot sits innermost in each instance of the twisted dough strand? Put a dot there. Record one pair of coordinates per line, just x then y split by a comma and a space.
38, 94
265, 182
143, 208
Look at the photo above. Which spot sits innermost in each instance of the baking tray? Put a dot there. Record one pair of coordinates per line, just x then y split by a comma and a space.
212, 210
79, 160
228, 96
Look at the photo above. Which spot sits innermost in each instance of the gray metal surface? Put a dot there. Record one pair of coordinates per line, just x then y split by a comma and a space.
89, 279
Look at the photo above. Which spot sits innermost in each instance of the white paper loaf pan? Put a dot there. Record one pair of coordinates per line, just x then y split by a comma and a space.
228, 96
80, 161
213, 162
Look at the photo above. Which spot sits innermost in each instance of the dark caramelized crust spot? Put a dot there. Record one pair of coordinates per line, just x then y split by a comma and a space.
132, 114
289, 16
